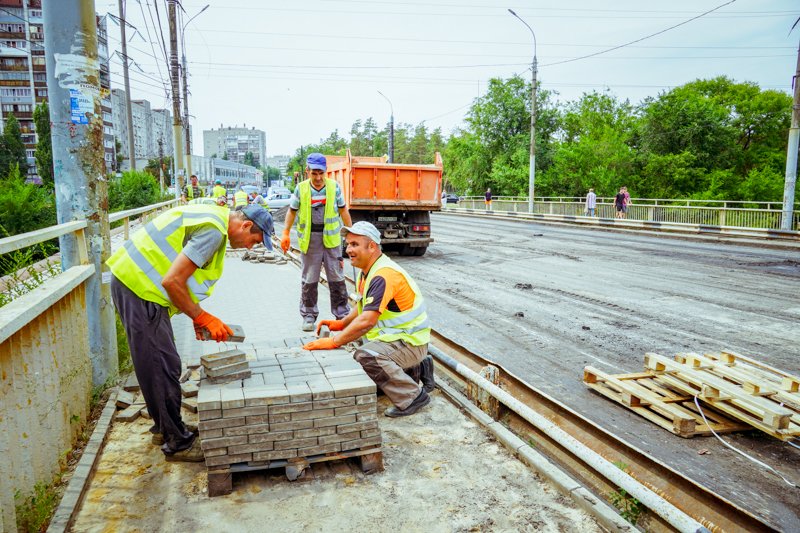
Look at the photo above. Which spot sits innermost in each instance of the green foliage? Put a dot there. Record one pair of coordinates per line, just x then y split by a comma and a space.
12, 150
25, 275
154, 165
23, 206
125, 364
272, 173
34, 511
133, 189
225, 156
629, 507
44, 145
249, 159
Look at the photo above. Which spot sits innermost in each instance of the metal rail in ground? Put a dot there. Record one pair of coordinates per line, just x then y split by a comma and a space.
708, 508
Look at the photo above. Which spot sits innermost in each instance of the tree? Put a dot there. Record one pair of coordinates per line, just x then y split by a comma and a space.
13, 149
44, 145
118, 153
225, 156
249, 159
154, 165
24, 206
133, 189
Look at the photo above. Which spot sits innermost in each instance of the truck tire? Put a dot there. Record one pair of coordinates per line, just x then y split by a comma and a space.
407, 250
419, 251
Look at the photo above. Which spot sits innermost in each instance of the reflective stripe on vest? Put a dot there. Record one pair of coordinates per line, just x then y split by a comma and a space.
142, 262
240, 198
331, 238
411, 326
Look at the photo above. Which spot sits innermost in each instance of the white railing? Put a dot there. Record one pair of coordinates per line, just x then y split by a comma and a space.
728, 213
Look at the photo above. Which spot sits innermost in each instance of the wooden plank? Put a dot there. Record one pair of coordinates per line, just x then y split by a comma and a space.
750, 384
715, 389
17, 314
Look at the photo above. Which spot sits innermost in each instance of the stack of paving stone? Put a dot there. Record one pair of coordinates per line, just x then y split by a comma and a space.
296, 404
225, 366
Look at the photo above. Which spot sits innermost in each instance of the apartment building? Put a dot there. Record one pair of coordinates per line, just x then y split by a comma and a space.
236, 142
152, 128
281, 162
23, 73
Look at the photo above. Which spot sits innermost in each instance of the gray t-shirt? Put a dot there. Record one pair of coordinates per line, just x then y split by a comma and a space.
318, 200
201, 243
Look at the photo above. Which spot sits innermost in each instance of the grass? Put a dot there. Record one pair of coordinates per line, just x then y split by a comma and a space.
23, 271
34, 511
125, 364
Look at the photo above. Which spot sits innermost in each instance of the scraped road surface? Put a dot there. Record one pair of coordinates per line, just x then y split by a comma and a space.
546, 300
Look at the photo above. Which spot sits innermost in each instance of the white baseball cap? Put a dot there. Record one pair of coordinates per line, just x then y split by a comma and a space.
364, 228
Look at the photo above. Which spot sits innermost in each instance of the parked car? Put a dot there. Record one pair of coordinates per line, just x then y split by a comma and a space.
451, 198
276, 201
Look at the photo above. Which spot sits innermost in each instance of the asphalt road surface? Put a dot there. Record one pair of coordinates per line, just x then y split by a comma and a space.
546, 300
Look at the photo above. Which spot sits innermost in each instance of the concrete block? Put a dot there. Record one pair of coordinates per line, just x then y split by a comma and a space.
224, 442
190, 404
185, 375
216, 452
357, 426
324, 331
299, 392
246, 430
238, 334
370, 433
284, 417
246, 411
291, 426
144, 412
366, 417
229, 459
339, 437
227, 370
208, 398
296, 443
125, 399
352, 386
321, 390
131, 383
361, 443
220, 423
337, 402
231, 399
319, 450
231, 378
275, 455
315, 432
251, 448
319, 413
290, 407
228, 357
209, 415
189, 389
265, 395
253, 381
366, 398
274, 377
130, 413
344, 373
211, 434
334, 421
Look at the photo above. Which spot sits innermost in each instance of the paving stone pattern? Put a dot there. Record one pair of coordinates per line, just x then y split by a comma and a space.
295, 403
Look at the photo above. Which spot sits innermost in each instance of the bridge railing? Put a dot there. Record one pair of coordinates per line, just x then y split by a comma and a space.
45, 369
728, 213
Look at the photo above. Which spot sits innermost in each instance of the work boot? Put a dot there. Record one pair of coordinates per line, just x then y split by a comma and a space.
419, 402
158, 438
308, 323
192, 454
426, 376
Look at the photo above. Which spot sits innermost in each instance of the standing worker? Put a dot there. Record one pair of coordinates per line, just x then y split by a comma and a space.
218, 189
192, 190
239, 199
168, 267
321, 208
392, 316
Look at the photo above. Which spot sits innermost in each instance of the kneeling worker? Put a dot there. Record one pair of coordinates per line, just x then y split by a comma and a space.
392, 315
168, 267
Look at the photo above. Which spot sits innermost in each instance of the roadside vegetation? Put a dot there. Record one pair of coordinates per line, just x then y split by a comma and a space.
707, 139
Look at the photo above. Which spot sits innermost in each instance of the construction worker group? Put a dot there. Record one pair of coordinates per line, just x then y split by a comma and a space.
173, 263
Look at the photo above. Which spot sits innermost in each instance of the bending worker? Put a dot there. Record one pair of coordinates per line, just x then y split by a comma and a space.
392, 316
168, 267
239, 199
320, 205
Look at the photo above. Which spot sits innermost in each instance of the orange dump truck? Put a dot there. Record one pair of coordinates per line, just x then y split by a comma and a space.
397, 198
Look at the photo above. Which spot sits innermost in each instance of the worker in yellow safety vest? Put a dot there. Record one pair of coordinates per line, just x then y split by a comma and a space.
392, 317
218, 189
319, 208
167, 267
239, 199
192, 190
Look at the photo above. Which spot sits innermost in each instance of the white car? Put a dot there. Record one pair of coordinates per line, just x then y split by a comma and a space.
276, 201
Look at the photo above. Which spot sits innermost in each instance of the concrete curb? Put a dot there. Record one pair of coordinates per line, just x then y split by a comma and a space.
605, 514
76, 488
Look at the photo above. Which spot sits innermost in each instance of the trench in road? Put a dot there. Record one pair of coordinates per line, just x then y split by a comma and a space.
636, 293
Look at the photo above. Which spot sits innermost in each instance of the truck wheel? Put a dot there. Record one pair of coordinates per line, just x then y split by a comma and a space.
419, 251
407, 250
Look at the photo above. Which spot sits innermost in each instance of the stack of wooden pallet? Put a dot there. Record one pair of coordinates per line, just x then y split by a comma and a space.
736, 393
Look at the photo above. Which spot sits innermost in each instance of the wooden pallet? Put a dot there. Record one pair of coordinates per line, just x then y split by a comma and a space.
220, 480
715, 385
644, 394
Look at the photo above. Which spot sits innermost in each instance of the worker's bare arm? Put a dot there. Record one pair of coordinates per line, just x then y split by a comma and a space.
174, 283
356, 327
345, 214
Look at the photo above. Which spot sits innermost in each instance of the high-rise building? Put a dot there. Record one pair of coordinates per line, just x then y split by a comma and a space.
236, 142
149, 127
23, 73
281, 162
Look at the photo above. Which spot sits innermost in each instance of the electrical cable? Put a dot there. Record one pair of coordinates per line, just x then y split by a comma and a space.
743, 454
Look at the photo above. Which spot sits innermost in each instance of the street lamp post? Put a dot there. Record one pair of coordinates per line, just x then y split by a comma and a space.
532, 170
391, 128
188, 140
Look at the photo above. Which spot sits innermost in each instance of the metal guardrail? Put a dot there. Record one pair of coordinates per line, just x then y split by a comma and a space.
726, 214
45, 368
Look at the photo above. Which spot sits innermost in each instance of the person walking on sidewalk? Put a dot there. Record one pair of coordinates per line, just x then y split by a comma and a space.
487, 199
392, 317
591, 203
319, 207
168, 267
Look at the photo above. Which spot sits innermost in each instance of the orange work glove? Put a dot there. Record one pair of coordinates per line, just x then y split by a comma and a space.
285, 241
333, 325
326, 343
217, 328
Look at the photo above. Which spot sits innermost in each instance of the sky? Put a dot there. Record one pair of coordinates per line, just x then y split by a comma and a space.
301, 69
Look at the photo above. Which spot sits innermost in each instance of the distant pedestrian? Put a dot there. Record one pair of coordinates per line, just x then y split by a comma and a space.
620, 203
488, 199
627, 202
591, 202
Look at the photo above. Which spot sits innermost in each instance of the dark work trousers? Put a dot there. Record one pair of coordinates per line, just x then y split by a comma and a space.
313, 260
156, 363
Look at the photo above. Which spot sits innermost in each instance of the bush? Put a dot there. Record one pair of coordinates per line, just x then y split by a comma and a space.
24, 206
133, 189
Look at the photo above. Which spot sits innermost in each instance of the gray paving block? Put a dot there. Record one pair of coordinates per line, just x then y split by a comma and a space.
337, 402
290, 408
318, 413
357, 426
189, 389
275, 455
318, 450
339, 437
265, 395
264, 364
366, 398
334, 421
250, 448
224, 442
299, 392
246, 430
234, 379
344, 373
125, 399
321, 390
283, 417
231, 399
238, 334
212, 434
209, 415
208, 398
246, 411
315, 432
296, 443
361, 443
261, 438
229, 459
253, 381
227, 370
215, 452
366, 417
351, 388
130, 413
258, 419
190, 404
370, 433
220, 423
294, 425
218, 359
274, 377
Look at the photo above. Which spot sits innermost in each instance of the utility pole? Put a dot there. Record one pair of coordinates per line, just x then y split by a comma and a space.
391, 128
176, 100
186, 115
791, 153
73, 73
128, 112
161, 164
532, 158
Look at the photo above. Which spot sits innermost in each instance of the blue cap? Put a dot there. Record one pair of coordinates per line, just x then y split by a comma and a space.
316, 161
262, 219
